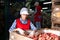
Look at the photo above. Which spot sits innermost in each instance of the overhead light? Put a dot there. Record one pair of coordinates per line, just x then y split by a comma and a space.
1, 1
10, 3
47, 2
45, 8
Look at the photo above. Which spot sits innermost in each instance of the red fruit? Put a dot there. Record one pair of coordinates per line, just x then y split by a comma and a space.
56, 38
48, 36
41, 38
35, 38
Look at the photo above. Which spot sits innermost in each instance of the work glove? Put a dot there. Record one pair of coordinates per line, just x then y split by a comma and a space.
20, 31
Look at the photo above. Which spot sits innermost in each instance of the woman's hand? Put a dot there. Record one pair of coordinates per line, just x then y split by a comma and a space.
22, 32
31, 35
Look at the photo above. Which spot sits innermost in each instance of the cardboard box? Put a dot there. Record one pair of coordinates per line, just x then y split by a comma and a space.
16, 36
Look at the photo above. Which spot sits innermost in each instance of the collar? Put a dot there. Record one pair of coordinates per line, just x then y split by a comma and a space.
23, 21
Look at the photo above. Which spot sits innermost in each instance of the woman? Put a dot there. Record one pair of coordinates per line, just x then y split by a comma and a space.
37, 15
22, 24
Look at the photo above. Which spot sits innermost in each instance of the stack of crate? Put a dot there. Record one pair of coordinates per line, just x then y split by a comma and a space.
55, 16
55, 3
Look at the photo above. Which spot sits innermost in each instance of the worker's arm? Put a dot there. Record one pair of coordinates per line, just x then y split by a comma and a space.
13, 26
32, 33
35, 11
32, 26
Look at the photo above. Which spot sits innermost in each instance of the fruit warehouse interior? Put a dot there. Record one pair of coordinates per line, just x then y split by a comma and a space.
10, 10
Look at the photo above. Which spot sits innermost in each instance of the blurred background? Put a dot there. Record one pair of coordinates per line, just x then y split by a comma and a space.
9, 11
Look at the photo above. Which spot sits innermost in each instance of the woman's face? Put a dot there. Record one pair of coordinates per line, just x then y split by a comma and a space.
24, 16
